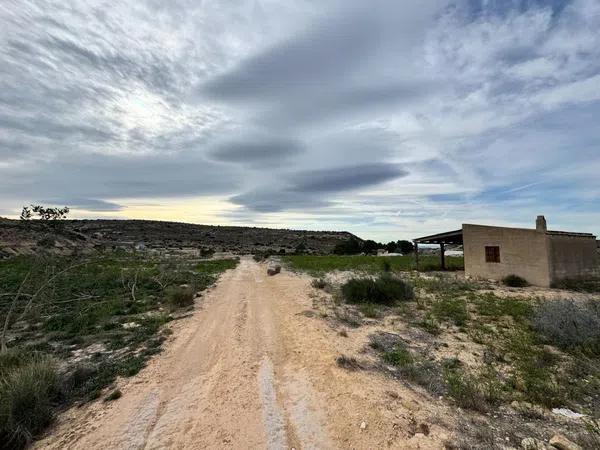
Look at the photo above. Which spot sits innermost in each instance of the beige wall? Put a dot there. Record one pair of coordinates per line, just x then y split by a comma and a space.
523, 252
572, 256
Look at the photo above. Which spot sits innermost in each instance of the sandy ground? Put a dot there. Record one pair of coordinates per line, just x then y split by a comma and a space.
252, 370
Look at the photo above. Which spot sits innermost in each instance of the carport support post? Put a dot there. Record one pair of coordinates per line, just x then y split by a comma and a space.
416, 255
443, 256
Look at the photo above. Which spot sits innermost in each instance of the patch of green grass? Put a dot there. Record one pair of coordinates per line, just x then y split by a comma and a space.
480, 391
319, 265
453, 309
490, 305
369, 310
444, 285
385, 290
398, 356
429, 324
29, 388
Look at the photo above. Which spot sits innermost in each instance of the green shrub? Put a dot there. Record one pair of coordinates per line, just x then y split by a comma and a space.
430, 325
385, 290
114, 395
28, 391
568, 324
398, 356
180, 296
515, 281
477, 392
349, 247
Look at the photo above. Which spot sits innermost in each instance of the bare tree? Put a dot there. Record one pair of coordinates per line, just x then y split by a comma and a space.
44, 213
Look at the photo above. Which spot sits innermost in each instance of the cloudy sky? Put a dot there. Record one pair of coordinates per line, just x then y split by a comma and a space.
391, 119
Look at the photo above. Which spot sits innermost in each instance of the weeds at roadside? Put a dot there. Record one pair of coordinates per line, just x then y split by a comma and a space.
319, 265
385, 290
114, 303
180, 296
348, 362
349, 319
29, 388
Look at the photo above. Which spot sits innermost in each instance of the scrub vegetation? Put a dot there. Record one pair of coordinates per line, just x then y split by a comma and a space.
319, 265
475, 346
72, 325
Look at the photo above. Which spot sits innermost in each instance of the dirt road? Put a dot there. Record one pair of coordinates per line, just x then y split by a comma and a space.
252, 370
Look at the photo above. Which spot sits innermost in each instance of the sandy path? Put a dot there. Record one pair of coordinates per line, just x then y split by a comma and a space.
249, 371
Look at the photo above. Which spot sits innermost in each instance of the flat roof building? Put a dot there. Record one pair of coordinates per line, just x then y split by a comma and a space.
539, 255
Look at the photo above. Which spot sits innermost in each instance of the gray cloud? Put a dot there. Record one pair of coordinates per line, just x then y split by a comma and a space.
88, 204
304, 190
345, 178
274, 199
265, 151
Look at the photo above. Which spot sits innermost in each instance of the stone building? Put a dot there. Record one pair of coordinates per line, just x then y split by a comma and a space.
539, 255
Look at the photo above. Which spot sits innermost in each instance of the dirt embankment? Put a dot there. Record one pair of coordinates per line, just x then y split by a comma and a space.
253, 369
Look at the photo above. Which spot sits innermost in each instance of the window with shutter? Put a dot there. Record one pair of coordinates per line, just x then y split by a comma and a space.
492, 254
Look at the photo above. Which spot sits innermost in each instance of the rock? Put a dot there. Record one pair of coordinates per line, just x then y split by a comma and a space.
363, 425
273, 269
419, 435
567, 413
533, 444
562, 443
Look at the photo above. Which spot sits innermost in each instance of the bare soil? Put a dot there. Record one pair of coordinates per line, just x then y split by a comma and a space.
254, 368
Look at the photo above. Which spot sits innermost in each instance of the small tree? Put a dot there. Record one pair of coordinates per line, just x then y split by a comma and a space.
44, 213
349, 247
370, 247
391, 247
406, 247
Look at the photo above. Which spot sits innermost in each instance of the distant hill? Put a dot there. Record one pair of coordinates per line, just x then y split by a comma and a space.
86, 235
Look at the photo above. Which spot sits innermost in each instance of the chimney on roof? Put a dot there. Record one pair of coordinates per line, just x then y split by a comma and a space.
540, 224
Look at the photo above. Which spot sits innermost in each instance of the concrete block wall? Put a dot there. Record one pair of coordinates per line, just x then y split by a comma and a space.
572, 256
523, 252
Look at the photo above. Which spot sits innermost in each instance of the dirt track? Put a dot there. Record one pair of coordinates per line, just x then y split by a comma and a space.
250, 371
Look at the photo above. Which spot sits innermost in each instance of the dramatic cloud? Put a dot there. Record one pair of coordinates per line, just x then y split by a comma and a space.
390, 119
261, 152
